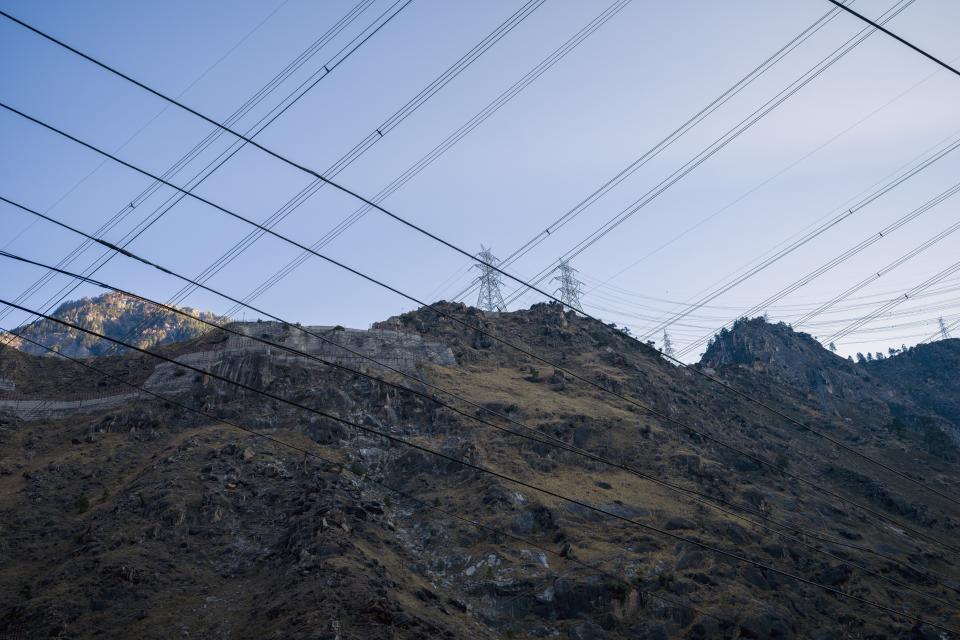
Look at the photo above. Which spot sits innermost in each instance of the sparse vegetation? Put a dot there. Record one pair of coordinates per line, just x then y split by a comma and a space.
357, 468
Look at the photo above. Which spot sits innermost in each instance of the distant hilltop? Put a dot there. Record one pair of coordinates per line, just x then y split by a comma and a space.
116, 315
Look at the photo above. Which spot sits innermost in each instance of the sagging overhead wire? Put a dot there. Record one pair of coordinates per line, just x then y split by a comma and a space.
715, 147
588, 381
423, 231
440, 149
837, 260
664, 143
356, 152
258, 127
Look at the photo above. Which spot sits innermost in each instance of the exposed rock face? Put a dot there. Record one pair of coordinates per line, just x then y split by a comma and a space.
238, 357
114, 315
143, 519
913, 390
776, 352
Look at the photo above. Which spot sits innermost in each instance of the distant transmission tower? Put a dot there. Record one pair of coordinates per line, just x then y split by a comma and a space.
490, 298
667, 344
944, 333
569, 286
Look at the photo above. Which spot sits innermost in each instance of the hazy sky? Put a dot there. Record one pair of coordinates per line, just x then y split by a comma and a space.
622, 90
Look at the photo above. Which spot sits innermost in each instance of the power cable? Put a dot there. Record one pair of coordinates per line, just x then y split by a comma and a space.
880, 27
766, 181
128, 208
864, 244
715, 147
898, 338
665, 143
136, 133
695, 323
903, 4
806, 238
821, 325
245, 108
892, 13
437, 151
903, 41
792, 310
952, 269
520, 349
903, 171
371, 139
879, 273
211, 137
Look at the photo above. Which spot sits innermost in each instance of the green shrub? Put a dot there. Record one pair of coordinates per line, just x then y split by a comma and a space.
602, 338
357, 468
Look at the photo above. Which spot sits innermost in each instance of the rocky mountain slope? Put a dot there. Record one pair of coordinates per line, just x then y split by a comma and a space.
149, 520
927, 375
114, 315
918, 390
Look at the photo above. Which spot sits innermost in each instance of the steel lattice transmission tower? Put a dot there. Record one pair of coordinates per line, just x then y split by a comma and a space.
944, 333
667, 344
490, 298
570, 286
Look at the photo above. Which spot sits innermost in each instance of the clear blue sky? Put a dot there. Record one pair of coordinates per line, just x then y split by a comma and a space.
622, 90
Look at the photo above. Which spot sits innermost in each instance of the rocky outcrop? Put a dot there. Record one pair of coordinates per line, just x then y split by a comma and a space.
911, 393
778, 353
114, 315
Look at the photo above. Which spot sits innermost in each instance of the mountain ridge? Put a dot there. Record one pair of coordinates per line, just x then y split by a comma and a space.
115, 315
117, 510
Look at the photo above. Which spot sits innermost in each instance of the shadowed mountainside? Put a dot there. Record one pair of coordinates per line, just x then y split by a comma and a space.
150, 520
